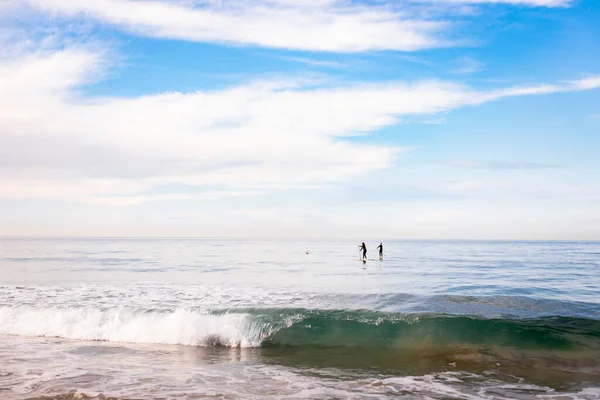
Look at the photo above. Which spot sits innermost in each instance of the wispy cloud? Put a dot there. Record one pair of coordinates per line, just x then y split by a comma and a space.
507, 189
313, 62
500, 165
414, 59
529, 3
434, 121
577, 85
261, 135
467, 66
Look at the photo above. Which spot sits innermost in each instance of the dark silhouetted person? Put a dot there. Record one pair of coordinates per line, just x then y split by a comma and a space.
380, 247
363, 248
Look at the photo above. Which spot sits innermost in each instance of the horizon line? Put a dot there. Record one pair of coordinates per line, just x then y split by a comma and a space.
89, 237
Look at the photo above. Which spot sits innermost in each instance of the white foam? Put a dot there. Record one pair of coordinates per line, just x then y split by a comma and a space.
181, 326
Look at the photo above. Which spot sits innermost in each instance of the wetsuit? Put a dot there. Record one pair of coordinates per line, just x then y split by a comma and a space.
363, 247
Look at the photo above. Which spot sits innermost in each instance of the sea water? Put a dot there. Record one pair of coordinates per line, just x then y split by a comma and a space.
255, 319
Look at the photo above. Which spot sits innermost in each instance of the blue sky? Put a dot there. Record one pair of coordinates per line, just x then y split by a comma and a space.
457, 119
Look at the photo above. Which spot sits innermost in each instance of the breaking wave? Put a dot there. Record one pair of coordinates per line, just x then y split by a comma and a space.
298, 327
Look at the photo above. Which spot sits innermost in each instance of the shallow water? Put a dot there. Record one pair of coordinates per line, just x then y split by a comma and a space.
180, 318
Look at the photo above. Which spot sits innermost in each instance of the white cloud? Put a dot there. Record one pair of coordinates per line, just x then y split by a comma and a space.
318, 25
337, 26
259, 136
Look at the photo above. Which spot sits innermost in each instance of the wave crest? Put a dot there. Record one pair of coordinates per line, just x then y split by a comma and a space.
181, 326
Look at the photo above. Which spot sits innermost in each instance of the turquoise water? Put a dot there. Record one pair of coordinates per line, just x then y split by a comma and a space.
181, 318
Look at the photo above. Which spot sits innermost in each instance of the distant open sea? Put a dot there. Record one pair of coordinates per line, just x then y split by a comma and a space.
262, 319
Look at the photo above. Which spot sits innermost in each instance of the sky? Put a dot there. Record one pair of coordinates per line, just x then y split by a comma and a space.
424, 119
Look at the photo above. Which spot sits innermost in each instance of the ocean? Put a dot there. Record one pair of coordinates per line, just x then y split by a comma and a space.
298, 319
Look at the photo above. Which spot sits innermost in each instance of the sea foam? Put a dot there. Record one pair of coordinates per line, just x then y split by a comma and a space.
180, 326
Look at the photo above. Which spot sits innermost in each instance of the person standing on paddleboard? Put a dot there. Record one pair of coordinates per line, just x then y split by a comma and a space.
363, 248
380, 247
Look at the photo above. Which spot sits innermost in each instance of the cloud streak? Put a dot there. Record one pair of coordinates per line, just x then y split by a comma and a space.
529, 3
312, 62
322, 26
500, 165
325, 25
